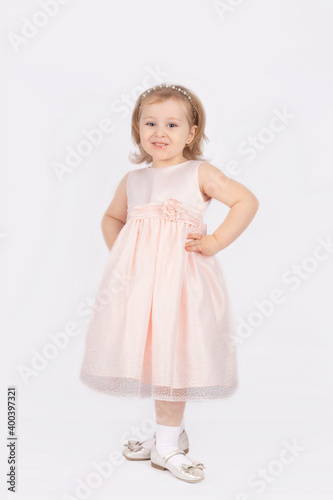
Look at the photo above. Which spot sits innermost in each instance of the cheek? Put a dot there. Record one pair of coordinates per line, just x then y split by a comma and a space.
146, 131
143, 134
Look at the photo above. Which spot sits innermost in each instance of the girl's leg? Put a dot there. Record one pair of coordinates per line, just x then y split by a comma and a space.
169, 412
169, 416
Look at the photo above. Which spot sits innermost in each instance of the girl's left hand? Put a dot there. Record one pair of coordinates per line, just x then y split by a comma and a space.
206, 244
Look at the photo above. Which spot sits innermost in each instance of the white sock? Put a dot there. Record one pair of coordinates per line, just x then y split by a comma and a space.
167, 440
149, 442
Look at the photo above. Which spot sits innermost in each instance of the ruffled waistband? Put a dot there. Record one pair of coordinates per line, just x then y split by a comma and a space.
171, 209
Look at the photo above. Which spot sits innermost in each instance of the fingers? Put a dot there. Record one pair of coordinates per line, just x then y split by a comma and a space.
191, 245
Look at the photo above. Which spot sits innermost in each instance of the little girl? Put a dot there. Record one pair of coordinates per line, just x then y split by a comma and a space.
162, 325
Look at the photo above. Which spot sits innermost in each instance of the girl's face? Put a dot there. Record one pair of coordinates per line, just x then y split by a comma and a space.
164, 131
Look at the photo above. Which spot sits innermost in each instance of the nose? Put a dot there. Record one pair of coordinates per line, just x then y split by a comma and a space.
159, 131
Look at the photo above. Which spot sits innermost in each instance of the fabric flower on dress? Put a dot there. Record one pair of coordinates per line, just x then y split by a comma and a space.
172, 208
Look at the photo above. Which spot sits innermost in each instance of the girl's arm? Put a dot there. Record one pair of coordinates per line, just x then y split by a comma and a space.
242, 202
114, 218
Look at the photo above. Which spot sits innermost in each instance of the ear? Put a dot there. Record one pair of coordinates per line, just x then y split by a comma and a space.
193, 131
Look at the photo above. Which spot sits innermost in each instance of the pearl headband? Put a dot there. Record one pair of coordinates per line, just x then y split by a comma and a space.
172, 87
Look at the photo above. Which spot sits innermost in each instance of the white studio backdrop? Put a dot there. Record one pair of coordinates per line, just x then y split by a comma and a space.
75, 66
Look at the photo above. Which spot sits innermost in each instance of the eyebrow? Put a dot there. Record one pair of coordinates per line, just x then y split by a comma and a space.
169, 118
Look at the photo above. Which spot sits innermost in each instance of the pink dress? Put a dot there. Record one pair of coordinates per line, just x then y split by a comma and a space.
162, 325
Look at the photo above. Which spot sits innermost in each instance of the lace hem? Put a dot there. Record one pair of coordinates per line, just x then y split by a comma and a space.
135, 389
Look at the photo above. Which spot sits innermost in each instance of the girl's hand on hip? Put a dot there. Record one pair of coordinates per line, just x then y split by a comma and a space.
206, 244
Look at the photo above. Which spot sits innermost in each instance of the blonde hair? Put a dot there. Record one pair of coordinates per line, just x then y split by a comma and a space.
192, 151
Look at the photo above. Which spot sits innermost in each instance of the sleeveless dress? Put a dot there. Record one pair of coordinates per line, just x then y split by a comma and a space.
162, 325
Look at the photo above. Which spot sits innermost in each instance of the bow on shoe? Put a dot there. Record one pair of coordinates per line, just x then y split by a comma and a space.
191, 468
133, 445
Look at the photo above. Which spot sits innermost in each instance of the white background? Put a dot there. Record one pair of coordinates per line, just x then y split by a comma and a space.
78, 69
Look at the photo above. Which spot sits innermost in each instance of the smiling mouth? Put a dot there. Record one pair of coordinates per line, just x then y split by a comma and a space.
159, 144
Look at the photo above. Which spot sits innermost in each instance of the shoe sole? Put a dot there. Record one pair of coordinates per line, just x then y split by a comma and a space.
140, 459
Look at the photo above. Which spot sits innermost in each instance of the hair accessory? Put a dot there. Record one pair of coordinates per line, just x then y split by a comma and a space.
147, 92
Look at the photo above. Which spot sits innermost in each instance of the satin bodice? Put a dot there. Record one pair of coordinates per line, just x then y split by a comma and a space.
156, 186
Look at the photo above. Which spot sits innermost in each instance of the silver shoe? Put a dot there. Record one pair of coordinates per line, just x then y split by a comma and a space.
135, 451
186, 472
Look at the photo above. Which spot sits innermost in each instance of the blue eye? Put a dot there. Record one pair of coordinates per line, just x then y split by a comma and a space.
151, 123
